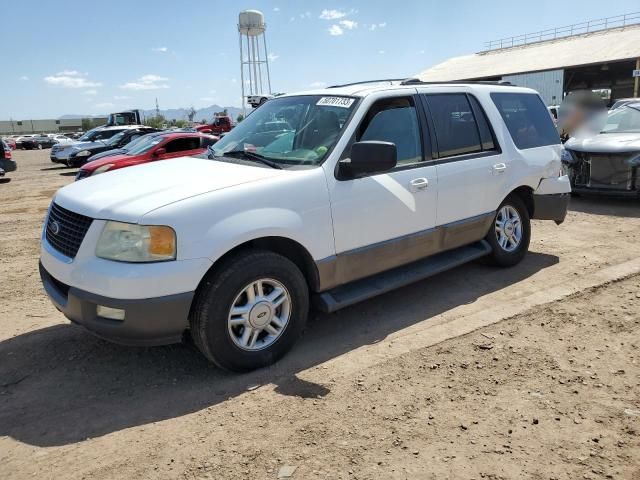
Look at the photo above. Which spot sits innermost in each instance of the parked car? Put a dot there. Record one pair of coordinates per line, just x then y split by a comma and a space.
607, 163
624, 101
21, 139
94, 137
81, 155
370, 188
160, 146
11, 142
7, 163
219, 125
62, 139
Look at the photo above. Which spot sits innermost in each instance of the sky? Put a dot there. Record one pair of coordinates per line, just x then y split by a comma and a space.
85, 57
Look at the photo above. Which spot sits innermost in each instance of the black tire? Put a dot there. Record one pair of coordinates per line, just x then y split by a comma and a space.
499, 255
215, 297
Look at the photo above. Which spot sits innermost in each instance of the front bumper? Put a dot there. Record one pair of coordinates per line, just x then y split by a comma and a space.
147, 322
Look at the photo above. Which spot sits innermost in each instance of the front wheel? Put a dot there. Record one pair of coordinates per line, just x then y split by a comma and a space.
510, 232
250, 311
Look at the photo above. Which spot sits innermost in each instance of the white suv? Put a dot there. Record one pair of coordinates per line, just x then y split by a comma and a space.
330, 196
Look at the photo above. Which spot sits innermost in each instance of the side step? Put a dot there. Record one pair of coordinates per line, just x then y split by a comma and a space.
351, 293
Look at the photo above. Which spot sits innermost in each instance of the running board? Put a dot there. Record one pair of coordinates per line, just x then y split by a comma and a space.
359, 290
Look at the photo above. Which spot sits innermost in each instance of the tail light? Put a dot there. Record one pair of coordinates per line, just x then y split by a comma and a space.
7, 154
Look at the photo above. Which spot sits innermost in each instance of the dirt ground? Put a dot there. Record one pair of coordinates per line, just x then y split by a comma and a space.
530, 372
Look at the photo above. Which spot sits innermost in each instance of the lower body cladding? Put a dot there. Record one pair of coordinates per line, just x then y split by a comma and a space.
616, 175
147, 322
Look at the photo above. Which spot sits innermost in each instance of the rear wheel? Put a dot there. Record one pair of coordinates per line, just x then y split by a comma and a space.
510, 232
250, 311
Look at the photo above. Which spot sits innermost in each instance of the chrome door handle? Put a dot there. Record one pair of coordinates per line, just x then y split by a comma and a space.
418, 184
498, 168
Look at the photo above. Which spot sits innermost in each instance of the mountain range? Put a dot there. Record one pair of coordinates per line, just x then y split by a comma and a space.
206, 113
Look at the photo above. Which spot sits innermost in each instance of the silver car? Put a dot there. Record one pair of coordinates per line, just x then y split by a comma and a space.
607, 163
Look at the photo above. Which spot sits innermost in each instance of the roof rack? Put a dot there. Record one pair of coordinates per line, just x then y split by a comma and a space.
417, 81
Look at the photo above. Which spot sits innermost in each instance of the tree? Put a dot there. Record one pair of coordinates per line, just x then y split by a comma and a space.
180, 123
156, 121
239, 118
203, 121
191, 113
86, 124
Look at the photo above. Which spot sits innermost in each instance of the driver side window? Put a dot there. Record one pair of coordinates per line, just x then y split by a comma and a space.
394, 120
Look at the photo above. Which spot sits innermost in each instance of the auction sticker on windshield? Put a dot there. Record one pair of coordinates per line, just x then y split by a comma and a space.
343, 102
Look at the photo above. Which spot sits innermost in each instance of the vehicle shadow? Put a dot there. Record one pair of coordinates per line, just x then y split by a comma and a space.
5, 180
617, 207
60, 385
48, 169
69, 174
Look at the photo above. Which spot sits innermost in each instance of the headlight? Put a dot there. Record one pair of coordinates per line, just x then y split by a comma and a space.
566, 156
83, 153
102, 169
128, 242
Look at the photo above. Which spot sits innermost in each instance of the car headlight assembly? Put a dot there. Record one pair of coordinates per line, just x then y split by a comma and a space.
83, 153
102, 169
129, 242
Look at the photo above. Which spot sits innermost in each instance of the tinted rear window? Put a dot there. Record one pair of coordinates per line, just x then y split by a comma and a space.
527, 119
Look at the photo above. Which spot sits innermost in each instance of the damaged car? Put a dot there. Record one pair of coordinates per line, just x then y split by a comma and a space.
607, 163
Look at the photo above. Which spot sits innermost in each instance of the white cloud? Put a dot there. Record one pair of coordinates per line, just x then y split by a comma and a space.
318, 84
374, 26
276, 9
104, 105
206, 99
90, 92
335, 30
273, 57
24, 78
305, 15
348, 24
147, 82
332, 14
421, 52
233, 80
121, 97
160, 49
71, 79
292, 19
381, 52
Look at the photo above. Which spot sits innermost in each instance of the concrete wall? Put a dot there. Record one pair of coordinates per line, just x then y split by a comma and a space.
549, 84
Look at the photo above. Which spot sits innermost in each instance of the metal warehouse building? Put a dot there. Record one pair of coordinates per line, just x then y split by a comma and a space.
595, 55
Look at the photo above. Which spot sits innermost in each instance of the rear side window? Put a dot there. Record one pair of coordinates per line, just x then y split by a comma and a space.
456, 129
182, 144
527, 119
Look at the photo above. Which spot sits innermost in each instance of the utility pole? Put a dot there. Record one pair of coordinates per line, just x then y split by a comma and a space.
157, 109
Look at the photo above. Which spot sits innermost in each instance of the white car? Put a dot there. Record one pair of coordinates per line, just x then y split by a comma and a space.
327, 197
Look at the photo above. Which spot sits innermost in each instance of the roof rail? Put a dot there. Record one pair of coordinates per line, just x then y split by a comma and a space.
417, 81
367, 81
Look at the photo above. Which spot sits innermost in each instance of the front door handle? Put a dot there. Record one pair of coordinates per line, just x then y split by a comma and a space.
498, 168
418, 184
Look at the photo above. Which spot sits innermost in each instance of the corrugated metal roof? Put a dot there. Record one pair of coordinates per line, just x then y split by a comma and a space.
604, 46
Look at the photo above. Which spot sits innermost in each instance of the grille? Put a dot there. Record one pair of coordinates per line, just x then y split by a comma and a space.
71, 228
601, 170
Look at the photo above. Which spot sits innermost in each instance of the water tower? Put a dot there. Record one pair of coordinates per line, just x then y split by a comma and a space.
253, 67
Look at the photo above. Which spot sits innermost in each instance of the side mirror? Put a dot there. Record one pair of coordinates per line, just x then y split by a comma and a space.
159, 152
369, 157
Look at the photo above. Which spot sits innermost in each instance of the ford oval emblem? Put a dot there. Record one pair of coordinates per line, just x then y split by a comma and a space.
55, 227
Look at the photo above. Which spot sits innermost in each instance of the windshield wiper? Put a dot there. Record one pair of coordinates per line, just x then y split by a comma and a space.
256, 157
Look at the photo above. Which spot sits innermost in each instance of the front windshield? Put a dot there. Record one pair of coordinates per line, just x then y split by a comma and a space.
144, 144
298, 130
90, 135
623, 120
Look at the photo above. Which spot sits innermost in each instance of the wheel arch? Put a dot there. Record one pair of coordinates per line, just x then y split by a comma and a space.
288, 248
525, 193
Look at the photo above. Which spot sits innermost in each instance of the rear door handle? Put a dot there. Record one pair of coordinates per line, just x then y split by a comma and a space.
498, 168
418, 184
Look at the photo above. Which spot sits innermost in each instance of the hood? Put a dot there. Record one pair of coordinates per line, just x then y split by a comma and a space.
129, 193
108, 153
89, 145
105, 159
605, 143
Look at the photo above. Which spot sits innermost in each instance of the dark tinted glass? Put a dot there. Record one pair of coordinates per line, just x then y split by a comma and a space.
182, 144
527, 119
398, 125
454, 124
483, 125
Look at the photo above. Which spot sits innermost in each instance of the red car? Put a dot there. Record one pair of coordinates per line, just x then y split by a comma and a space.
151, 147
221, 124
11, 142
